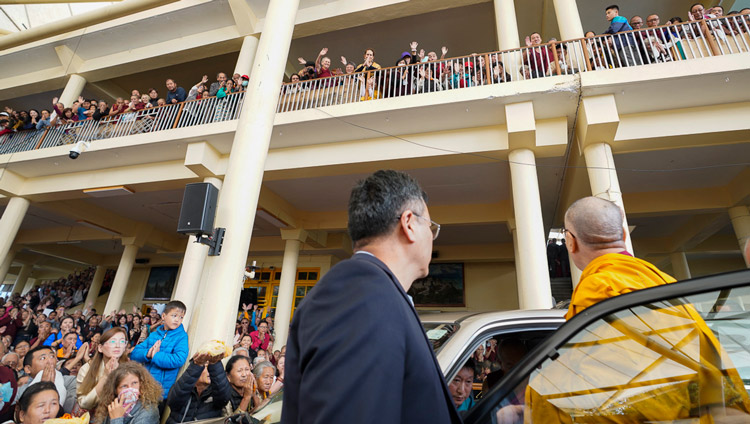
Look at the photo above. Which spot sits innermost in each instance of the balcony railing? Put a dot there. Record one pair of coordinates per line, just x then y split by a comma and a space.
669, 43
179, 115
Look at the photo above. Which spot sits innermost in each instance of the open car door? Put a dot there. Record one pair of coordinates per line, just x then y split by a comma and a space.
674, 353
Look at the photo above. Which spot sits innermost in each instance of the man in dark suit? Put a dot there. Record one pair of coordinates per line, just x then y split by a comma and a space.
357, 352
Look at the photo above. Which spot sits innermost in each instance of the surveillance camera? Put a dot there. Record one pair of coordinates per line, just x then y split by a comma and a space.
78, 148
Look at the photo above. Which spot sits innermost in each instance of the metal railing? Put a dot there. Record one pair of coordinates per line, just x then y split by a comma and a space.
668, 43
180, 115
706, 38
429, 77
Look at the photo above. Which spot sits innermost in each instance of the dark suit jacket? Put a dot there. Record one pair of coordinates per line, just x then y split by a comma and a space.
357, 353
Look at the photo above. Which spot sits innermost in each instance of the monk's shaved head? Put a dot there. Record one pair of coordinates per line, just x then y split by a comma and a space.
595, 222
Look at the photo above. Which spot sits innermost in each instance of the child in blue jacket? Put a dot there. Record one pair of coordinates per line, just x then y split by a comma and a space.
166, 349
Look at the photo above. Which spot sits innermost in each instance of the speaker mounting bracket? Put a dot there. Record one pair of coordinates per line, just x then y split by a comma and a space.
214, 241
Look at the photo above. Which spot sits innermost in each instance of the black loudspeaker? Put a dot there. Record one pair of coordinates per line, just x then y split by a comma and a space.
248, 296
198, 209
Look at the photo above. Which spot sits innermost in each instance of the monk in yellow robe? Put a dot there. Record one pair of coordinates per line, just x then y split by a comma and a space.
658, 364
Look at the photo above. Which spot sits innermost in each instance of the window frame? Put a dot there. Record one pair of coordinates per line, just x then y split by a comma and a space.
548, 349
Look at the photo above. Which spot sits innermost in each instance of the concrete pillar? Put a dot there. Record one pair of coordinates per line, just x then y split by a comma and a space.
191, 268
23, 275
247, 55
96, 285
506, 25
294, 240
740, 216
600, 164
30, 283
72, 90
534, 291
239, 195
9, 224
568, 19
5, 265
680, 268
114, 300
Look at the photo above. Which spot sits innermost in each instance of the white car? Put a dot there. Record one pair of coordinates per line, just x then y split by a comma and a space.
456, 335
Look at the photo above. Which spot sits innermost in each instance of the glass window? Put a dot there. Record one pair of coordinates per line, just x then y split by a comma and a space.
302, 276
300, 291
265, 275
681, 360
439, 333
312, 276
278, 275
275, 291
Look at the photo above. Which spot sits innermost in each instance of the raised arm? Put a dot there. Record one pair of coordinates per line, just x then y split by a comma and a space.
322, 53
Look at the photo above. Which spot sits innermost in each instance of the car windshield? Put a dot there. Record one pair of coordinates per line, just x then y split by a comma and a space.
439, 333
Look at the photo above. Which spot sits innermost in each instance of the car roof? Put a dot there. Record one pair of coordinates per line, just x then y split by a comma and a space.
465, 317
472, 324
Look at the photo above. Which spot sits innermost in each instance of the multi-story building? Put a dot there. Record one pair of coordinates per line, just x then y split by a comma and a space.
500, 152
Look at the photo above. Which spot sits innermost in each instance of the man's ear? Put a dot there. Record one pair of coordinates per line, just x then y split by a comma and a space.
406, 225
27, 369
571, 244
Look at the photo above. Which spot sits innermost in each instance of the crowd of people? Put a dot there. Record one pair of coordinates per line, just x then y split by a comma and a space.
538, 60
122, 367
92, 109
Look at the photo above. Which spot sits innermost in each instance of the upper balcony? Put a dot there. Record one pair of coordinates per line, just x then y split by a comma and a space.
460, 92
685, 87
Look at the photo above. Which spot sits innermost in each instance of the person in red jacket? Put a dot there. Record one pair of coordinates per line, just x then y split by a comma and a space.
261, 338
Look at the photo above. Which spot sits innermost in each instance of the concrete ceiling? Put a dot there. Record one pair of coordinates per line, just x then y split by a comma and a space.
697, 167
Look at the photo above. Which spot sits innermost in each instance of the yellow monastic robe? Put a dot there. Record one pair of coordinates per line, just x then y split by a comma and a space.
611, 275
656, 364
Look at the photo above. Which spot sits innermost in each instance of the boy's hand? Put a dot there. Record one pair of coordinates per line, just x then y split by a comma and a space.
154, 349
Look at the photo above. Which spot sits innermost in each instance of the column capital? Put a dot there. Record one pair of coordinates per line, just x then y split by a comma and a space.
203, 159
127, 241
521, 125
598, 120
294, 234
738, 211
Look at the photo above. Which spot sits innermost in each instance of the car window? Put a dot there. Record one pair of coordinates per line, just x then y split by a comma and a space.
439, 333
492, 354
686, 358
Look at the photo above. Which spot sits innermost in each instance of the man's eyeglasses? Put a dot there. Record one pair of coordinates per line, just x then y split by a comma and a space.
434, 226
565, 230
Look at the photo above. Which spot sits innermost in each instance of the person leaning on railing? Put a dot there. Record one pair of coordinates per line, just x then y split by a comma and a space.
624, 44
118, 107
426, 83
197, 91
369, 64
101, 111
537, 57
44, 120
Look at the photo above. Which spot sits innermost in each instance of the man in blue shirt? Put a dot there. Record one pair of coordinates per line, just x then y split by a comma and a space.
624, 44
175, 94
